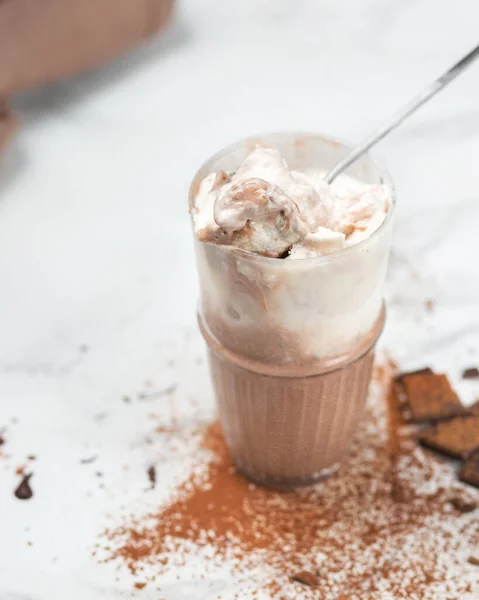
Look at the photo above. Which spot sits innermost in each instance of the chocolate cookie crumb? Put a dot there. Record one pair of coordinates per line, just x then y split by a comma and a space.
430, 396
463, 505
456, 437
23, 490
470, 471
152, 476
473, 560
139, 585
306, 578
471, 373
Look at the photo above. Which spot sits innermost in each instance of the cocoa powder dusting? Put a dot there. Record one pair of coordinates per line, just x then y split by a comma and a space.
139, 585
382, 527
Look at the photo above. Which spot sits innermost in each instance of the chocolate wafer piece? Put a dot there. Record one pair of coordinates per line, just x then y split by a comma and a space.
456, 437
424, 370
470, 470
430, 396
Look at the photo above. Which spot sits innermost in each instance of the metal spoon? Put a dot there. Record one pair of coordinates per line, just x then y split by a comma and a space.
403, 113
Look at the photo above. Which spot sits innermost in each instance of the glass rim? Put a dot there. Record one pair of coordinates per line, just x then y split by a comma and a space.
252, 139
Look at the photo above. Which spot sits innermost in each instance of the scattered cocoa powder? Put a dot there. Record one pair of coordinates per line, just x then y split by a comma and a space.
166, 429
382, 526
139, 585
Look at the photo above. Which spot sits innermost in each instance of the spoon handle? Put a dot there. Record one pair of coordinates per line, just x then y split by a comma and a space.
435, 87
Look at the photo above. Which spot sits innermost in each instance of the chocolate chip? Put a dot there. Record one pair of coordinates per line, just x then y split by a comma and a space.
2, 440
152, 476
306, 578
473, 560
471, 373
24, 491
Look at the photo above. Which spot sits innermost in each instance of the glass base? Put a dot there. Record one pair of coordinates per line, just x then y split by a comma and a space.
289, 483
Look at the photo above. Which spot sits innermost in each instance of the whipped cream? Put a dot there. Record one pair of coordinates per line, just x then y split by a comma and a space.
268, 209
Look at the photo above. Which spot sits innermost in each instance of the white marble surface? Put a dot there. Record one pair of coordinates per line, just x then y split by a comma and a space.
95, 244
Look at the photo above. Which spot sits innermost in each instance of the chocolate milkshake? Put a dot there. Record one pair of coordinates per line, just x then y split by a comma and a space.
291, 274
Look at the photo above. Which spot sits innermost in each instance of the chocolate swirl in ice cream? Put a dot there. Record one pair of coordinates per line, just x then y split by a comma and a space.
266, 208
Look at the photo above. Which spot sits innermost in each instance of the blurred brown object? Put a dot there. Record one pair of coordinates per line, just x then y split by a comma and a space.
8, 124
44, 40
